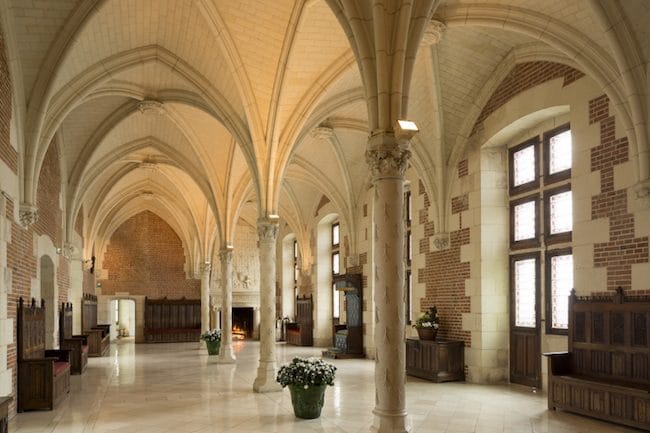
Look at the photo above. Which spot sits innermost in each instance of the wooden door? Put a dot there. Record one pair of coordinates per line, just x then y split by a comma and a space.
525, 328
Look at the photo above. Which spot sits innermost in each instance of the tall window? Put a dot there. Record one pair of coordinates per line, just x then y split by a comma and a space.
295, 270
336, 269
541, 220
408, 242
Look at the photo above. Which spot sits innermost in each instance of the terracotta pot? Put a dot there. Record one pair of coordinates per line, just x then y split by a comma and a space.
427, 333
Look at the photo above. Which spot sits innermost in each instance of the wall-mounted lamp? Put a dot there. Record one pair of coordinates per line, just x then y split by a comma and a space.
405, 129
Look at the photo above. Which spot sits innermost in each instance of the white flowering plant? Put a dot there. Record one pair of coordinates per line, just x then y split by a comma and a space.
211, 335
429, 319
305, 372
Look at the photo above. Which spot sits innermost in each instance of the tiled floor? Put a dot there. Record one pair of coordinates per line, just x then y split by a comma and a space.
177, 388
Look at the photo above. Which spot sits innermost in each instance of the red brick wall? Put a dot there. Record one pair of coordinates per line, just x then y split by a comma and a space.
47, 197
444, 278
145, 257
623, 249
7, 153
522, 77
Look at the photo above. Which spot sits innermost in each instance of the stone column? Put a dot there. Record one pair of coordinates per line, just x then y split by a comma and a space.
388, 160
267, 230
205, 297
226, 355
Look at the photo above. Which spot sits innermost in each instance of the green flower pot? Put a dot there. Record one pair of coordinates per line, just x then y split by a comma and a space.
307, 403
213, 347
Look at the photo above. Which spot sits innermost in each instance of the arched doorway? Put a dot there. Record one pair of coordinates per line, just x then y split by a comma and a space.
47, 294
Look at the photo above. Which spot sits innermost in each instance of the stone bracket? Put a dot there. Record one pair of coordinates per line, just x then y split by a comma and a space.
440, 242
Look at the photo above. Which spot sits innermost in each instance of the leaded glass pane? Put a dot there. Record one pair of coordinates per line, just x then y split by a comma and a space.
560, 152
336, 305
525, 273
561, 285
525, 221
524, 166
561, 213
335, 263
335, 234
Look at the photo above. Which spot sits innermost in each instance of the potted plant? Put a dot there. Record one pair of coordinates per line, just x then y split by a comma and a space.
307, 379
427, 324
212, 340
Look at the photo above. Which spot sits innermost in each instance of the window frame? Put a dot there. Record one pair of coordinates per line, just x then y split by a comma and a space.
549, 254
335, 251
533, 242
551, 239
532, 185
560, 175
338, 228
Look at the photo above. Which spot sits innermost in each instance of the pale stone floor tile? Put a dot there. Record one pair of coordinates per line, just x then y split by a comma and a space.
177, 388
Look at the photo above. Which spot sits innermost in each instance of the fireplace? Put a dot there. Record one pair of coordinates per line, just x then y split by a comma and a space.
242, 323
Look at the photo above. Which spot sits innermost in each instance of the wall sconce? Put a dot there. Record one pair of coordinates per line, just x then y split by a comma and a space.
405, 129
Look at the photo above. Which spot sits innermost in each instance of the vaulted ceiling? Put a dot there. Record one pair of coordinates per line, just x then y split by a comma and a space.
210, 112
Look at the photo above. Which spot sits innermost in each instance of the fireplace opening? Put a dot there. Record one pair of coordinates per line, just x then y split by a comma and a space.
242, 323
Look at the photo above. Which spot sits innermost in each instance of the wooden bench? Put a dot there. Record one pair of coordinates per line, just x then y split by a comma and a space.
606, 372
77, 344
172, 320
43, 375
99, 336
300, 332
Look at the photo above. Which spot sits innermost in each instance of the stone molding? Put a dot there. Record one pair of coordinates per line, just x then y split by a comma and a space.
28, 215
151, 107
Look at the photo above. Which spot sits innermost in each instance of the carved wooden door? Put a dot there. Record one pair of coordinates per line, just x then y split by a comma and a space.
525, 328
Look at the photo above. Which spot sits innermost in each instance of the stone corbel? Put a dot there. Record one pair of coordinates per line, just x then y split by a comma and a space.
642, 192
28, 215
68, 250
433, 32
440, 242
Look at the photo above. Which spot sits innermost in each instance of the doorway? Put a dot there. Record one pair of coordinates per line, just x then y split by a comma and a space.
123, 319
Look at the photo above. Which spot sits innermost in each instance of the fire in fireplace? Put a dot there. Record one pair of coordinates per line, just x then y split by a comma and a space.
242, 323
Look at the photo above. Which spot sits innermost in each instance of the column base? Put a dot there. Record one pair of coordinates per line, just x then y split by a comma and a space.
226, 355
201, 345
390, 422
265, 380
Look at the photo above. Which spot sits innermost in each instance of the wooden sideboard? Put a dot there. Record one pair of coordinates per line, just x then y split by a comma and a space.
439, 361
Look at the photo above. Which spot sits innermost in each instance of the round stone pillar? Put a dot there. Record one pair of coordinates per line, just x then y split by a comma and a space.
226, 355
267, 230
205, 297
387, 160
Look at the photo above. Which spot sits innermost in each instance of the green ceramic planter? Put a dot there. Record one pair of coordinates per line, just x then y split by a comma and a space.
213, 347
307, 403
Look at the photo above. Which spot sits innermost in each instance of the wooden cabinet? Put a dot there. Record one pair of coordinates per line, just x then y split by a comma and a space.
439, 361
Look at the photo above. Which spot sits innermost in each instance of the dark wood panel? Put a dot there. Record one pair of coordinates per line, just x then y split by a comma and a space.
605, 374
172, 320
438, 361
301, 332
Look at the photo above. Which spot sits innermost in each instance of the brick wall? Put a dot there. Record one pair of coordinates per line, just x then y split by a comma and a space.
88, 282
146, 257
444, 277
623, 249
522, 77
7, 153
47, 197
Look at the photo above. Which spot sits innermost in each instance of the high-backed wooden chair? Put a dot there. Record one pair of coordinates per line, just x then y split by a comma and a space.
43, 375
99, 336
348, 337
77, 344
300, 332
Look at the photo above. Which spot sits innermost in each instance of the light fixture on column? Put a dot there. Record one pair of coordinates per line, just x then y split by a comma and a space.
405, 129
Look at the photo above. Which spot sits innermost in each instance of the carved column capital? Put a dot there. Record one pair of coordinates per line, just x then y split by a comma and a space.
27, 214
433, 32
267, 229
385, 163
225, 255
206, 267
642, 191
